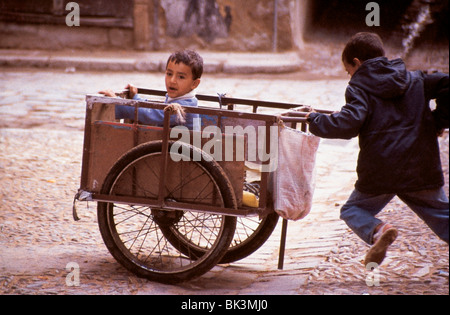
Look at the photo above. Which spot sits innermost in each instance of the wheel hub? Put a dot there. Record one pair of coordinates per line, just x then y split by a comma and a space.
167, 218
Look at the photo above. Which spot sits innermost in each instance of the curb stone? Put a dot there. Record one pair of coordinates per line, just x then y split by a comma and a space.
214, 62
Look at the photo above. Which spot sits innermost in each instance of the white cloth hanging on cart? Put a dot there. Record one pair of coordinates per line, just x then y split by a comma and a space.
293, 181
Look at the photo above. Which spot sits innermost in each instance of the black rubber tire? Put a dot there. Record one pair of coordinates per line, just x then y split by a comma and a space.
156, 220
251, 233
241, 248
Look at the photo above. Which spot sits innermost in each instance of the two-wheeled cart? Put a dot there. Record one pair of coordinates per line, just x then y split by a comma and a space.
170, 202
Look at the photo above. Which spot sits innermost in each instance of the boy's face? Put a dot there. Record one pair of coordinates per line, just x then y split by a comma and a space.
179, 79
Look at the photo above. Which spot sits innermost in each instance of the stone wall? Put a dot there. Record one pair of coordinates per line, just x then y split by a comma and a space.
157, 25
226, 25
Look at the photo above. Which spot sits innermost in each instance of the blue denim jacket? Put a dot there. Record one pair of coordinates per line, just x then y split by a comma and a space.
155, 117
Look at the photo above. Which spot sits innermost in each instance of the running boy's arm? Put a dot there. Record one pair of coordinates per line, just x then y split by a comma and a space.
345, 124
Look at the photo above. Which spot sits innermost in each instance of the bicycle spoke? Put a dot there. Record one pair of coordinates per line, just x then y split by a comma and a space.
158, 242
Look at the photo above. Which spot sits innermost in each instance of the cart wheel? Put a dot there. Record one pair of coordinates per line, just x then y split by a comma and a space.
136, 235
251, 233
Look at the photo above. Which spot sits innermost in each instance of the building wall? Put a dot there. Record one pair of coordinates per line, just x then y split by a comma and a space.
41, 24
222, 25
147, 24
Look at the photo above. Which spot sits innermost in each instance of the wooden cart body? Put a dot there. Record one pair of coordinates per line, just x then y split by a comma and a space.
106, 141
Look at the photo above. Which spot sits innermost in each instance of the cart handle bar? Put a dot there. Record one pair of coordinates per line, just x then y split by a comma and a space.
222, 99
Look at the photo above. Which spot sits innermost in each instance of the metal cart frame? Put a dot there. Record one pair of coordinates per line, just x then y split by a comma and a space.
107, 141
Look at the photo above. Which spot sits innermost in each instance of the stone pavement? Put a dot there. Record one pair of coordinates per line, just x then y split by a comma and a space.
39, 238
41, 121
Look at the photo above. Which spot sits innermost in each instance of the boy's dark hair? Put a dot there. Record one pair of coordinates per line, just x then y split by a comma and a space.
190, 58
363, 46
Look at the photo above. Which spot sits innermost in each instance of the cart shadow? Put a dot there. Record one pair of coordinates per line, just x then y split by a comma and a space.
222, 279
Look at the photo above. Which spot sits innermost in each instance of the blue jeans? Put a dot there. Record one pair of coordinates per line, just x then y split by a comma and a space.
430, 205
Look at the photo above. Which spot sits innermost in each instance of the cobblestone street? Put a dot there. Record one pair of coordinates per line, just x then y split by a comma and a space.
41, 138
